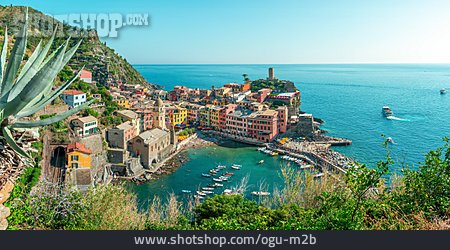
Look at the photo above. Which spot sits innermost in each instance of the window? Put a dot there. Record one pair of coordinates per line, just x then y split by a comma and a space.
74, 157
74, 165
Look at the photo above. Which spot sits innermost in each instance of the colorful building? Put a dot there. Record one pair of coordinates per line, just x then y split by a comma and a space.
84, 126
178, 115
78, 156
123, 103
86, 76
74, 98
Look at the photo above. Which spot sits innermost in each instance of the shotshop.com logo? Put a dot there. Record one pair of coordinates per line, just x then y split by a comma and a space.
82, 25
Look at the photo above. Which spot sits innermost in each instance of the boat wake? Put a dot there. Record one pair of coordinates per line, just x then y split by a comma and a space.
396, 118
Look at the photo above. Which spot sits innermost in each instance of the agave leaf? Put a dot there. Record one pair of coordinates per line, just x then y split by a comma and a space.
47, 99
53, 119
20, 84
3, 58
26, 74
31, 60
15, 58
12, 143
37, 84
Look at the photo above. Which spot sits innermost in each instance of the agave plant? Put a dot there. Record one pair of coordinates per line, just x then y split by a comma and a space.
24, 93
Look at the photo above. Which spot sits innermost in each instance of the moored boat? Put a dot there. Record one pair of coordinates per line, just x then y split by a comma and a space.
186, 191
443, 91
260, 193
318, 175
217, 179
237, 167
261, 162
200, 193
208, 188
206, 175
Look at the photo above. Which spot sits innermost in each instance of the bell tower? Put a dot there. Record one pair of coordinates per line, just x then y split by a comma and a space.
159, 115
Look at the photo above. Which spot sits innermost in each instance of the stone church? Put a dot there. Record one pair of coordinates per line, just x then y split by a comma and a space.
153, 146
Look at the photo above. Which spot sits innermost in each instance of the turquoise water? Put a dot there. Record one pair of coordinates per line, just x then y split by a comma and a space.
348, 97
263, 176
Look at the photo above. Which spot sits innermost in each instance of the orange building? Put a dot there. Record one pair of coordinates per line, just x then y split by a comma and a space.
78, 156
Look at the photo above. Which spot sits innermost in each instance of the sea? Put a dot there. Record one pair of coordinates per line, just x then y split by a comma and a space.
348, 97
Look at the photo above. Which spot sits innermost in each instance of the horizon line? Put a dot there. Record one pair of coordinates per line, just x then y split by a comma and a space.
358, 63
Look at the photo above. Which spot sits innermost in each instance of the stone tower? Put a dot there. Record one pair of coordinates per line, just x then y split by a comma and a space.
271, 74
159, 115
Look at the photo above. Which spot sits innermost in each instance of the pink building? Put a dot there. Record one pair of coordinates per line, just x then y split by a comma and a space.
227, 109
263, 125
260, 125
262, 94
282, 119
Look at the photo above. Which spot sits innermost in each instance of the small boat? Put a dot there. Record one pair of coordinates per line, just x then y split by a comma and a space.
274, 153
208, 188
306, 166
206, 175
260, 193
217, 179
224, 177
218, 184
228, 174
200, 193
261, 149
261, 162
318, 175
227, 191
237, 167
221, 167
186, 191
387, 111
390, 140
443, 91
212, 185
208, 192
199, 197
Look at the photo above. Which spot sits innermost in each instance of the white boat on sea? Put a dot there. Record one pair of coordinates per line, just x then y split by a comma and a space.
227, 191
387, 111
208, 192
207, 188
218, 179
237, 167
200, 193
186, 191
443, 91
218, 184
390, 140
260, 193
261, 162
221, 167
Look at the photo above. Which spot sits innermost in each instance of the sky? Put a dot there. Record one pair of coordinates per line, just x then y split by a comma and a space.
273, 31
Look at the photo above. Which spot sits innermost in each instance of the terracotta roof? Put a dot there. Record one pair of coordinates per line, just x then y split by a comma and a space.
76, 146
73, 92
85, 74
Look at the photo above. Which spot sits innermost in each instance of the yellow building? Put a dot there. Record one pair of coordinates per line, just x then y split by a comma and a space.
123, 103
205, 116
215, 116
78, 156
179, 115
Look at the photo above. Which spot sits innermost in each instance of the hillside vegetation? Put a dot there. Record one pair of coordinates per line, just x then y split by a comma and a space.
103, 61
